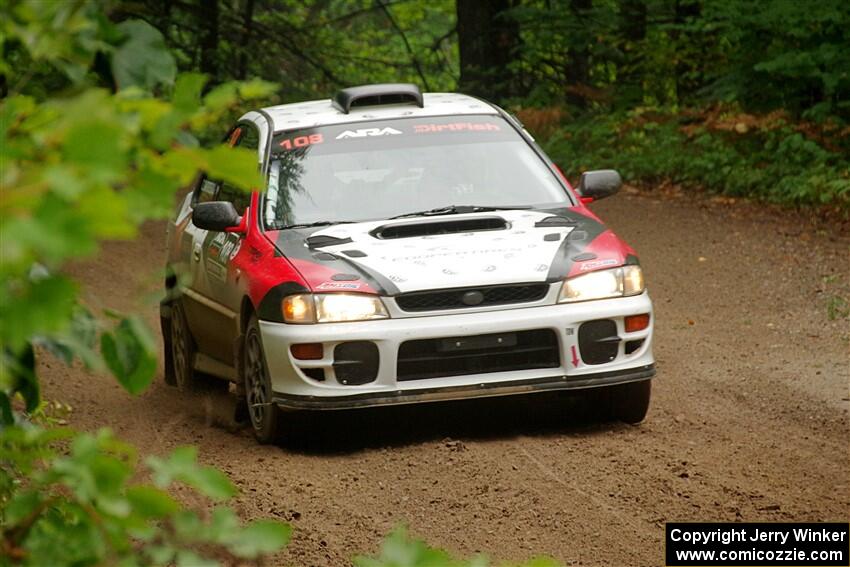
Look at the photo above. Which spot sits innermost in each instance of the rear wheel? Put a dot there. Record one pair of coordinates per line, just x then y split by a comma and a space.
182, 350
265, 416
183, 353
628, 403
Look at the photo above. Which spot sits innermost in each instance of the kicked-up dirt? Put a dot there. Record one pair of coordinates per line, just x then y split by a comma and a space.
749, 420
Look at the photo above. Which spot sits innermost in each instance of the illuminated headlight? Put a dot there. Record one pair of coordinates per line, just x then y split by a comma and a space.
603, 284
332, 308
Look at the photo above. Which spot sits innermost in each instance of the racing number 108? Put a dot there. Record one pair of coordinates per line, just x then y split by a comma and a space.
302, 141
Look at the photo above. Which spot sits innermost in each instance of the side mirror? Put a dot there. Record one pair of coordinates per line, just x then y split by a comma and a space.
599, 184
216, 215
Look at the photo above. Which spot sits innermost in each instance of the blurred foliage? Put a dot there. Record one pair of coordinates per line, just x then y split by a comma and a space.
92, 163
70, 499
95, 140
400, 550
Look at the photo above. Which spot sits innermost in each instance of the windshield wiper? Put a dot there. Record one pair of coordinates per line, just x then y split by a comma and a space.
312, 224
460, 209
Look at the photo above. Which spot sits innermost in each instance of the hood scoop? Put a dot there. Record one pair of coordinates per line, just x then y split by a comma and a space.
319, 240
438, 227
555, 221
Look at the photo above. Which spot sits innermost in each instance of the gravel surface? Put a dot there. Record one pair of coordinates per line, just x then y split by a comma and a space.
749, 420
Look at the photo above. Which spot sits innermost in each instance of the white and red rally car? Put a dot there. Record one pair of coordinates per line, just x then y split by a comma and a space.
407, 248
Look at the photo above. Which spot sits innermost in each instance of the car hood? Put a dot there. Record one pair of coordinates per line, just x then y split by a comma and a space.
452, 251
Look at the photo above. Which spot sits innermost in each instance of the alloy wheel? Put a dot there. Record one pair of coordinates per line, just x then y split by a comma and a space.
180, 348
256, 386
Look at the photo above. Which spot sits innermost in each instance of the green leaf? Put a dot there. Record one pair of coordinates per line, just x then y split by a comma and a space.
143, 60
130, 354
150, 502
187, 92
160, 554
151, 196
256, 88
99, 147
79, 340
235, 165
20, 506
38, 307
221, 96
182, 465
399, 550
261, 537
186, 558
166, 129
210, 482
223, 526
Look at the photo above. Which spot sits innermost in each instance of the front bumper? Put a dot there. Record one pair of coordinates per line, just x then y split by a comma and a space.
293, 388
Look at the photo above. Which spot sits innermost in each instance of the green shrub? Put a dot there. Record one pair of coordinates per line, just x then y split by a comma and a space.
776, 164
70, 499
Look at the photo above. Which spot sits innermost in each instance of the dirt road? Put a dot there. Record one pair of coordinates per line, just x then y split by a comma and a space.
749, 419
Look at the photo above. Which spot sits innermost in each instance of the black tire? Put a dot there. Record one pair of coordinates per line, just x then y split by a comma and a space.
266, 417
629, 403
182, 350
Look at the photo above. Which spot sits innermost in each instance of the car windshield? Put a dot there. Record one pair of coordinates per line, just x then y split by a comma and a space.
376, 170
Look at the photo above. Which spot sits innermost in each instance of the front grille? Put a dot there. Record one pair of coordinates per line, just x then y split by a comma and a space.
479, 354
454, 298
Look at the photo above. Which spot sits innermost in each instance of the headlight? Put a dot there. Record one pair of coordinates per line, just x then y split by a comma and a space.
332, 308
618, 282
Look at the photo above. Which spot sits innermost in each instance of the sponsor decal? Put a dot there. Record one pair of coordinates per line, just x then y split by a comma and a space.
598, 264
363, 132
221, 250
455, 127
215, 246
301, 141
339, 285
224, 246
235, 250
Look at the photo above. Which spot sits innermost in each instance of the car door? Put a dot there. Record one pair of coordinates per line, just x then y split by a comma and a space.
219, 282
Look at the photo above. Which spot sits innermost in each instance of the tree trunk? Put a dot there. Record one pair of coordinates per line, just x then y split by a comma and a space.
633, 32
488, 41
245, 43
686, 12
577, 64
209, 38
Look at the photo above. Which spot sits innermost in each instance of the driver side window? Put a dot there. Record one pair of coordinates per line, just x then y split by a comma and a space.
208, 191
243, 136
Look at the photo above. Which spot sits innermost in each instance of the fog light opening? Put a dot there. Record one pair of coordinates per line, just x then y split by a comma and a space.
635, 323
307, 351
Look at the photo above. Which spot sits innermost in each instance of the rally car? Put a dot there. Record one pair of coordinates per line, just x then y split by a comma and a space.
407, 248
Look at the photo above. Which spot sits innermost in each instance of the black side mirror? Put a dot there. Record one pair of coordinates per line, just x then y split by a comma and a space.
216, 215
599, 184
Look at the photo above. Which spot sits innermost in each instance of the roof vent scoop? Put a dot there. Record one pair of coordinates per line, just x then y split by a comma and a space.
373, 95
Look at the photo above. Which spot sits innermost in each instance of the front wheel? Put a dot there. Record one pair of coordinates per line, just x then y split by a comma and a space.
265, 416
